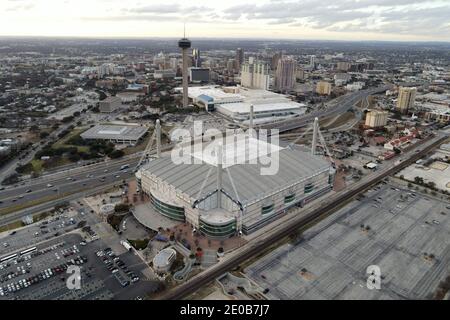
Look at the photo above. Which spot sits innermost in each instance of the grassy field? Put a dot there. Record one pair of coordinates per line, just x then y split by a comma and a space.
11, 226
41, 216
62, 143
19, 224
37, 164
30, 204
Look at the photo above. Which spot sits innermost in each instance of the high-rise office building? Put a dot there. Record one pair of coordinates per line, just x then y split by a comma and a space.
199, 75
105, 69
300, 74
312, 62
196, 60
173, 63
406, 98
376, 118
285, 74
184, 43
231, 64
323, 88
255, 75
275, 58
343, 66
239, 58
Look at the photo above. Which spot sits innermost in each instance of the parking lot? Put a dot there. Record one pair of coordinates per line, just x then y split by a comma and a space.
40, 272
38, 232
403, 232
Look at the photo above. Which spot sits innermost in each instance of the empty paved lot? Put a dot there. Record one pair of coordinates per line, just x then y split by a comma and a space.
331, 261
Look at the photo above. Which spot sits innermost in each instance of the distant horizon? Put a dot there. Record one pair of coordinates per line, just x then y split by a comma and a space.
215, 38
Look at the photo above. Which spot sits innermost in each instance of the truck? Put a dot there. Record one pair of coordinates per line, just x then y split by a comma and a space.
126, 245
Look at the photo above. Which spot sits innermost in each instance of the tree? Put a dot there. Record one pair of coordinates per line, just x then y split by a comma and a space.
25, 168
418, 180
11, 179
121, 208
61, 205
116, 154
43, 134
67, 119
74, 157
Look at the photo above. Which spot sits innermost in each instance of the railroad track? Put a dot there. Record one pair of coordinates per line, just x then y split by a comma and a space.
340, 108
280, 232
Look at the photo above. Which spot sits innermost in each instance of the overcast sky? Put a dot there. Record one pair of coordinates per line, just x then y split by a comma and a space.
288, 19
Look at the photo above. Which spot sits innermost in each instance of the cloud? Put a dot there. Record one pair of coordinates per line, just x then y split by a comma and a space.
19, 5
411, 17
169, 8
164, 12
157, 8
383, 16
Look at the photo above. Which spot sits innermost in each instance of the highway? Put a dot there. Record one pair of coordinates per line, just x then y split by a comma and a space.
340, 108
18, 215
65, 183
10, 167
280, 231
71, 181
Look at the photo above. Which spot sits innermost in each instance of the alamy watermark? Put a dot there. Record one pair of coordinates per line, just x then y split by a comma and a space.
374, 278
238, 147
74, 280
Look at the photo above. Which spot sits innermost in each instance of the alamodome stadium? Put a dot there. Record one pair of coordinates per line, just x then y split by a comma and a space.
220, 198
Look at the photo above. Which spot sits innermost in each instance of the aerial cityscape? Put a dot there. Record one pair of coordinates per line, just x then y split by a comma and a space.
235, 165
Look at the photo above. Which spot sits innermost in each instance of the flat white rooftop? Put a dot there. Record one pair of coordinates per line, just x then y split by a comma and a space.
239, 94
244, 149
115, 132
214, 92
242, 107
111, 130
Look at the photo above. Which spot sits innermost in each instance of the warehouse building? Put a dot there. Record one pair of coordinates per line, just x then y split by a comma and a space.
225, 200
116, 134
110, 104
235, 102
198, 75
